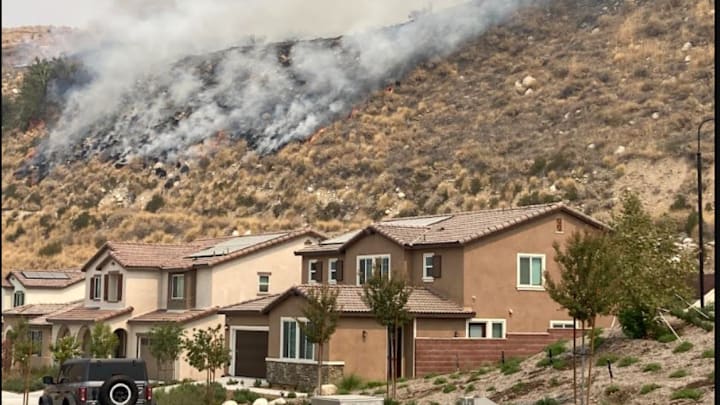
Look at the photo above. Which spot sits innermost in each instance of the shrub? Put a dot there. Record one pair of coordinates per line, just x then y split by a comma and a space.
373, 384
678, 374
557, 347
292, 395
244, 396
554, 382
51, 249
440, 381
429, 376
648, 388
636, 323
679, 203
454, 376
651, 367
708, 354
627, 361
692, 317
605, 357
490, 388
511, 366
390, 401
231, 382
350, 383
82, 221
611, 389
155, 203
189, 394
547, 401
683, 347
257, 383
449, 388
469, 388
666, 338
687, 393
379, 391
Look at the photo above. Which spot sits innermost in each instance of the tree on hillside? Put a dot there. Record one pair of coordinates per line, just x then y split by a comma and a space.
166, 342
67, 347
652, 268
206, 351
587, 278
322, 315
23, 348
387, 299
102, 341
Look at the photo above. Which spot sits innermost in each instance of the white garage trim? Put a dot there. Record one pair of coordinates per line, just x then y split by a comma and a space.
233, 329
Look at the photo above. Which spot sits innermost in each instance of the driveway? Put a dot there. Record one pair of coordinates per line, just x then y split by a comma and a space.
11, 398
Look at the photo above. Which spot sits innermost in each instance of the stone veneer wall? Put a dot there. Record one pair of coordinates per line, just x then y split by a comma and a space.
301, 376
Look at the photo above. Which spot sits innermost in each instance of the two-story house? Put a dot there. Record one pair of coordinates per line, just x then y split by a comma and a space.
133, 287
478, 292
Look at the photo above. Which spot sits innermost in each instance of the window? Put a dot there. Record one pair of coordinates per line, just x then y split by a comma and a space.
263, 283
314, 271
113, 287
95, 285
18, 298
369, 265
427, 266
294, 343
486, 328
562, 325
178, 287
332, 270
36, 339
530, 271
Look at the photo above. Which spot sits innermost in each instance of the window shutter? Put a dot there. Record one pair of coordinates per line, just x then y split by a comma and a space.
119, 287
106, 278
318, 271
339, 270
92, 288
377, 267
437, 266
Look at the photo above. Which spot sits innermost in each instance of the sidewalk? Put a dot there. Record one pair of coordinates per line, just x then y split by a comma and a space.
12, 398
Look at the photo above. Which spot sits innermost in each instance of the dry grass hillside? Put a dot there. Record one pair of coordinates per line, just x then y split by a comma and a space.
572, 100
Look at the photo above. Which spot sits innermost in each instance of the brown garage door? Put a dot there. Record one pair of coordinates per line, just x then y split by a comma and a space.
250, 352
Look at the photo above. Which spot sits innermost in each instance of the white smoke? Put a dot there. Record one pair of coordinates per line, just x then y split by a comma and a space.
158, 88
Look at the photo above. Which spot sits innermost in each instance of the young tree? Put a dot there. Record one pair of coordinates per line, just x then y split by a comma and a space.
322, 314
66, 348
206, 351
166, 342
102, 341
23, 348
585, 288
652, 267
387, 299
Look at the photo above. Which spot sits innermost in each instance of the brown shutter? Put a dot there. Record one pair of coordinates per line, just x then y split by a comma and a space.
318, 271
377, 267
190, 278
92, 288
119, 289
437, 266
339, 270
105, 286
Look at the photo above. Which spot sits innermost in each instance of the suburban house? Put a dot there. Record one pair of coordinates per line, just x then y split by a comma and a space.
478, 294
21, 287
133, 287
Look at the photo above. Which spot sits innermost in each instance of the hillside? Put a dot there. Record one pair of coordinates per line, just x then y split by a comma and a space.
612, 95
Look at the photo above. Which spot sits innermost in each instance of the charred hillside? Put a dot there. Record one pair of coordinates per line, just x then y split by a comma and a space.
568, 100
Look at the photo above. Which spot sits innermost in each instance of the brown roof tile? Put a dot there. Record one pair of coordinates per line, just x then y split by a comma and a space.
253, 305
38, 281
422, 301
85, 314
163, 315
38, 309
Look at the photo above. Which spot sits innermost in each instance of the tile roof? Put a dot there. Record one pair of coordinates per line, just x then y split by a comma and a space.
422, 302
6, 283
85, 314
37, 281
163, 315
38, 309
177, 256
253, 305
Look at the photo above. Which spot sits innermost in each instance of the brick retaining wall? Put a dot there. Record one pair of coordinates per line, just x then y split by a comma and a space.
446, 355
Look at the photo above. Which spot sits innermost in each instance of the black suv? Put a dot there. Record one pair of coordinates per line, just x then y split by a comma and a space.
99, 382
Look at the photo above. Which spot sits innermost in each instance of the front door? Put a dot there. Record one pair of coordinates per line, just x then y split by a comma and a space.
251, 348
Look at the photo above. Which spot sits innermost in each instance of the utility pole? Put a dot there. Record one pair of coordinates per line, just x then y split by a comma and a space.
701, 253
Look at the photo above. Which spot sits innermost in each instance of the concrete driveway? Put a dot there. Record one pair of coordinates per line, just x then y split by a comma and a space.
11, 398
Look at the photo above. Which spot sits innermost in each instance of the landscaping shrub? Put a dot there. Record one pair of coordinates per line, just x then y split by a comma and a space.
373, 384
449, 388
636, 323
605, 357
648, 388
627, 361
708, 354
189, 394
687, 393
440, 381
556, 348
666, 338
350, 383
429, 376
611, 389
692, 317
547, 401
651, 367
245, 396
390, 401
511, 365
683, 347
469, 388
678, 374
292, 395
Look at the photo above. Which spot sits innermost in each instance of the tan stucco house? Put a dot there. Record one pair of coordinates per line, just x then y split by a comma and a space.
135, 286
478, 292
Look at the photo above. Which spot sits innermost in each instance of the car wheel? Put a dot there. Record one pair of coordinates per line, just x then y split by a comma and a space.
119, 390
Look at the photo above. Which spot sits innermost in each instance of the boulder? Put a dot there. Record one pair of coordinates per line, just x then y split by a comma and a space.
528, 92
529, 82
230, 402
328, 389
278, 401
260, 401
686, 46
519, 87
620, 150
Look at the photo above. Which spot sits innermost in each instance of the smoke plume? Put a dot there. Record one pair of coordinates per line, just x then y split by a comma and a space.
169, 76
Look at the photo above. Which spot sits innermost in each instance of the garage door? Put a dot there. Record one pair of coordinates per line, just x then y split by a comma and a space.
250, 352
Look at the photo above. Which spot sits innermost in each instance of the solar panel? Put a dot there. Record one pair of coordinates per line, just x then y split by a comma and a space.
414, 222
53, 275
235, 244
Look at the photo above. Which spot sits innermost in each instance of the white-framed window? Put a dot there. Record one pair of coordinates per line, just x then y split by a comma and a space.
113, 288
37, 342
177, 286
367, 265
263, 283
293, 342
486, 328
18, 299
530, 268
332, 271
564, 324
427, 263
95, 288
312, 269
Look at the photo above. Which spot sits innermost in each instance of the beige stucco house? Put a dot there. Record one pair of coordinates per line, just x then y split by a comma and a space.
484, 269
135, 286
